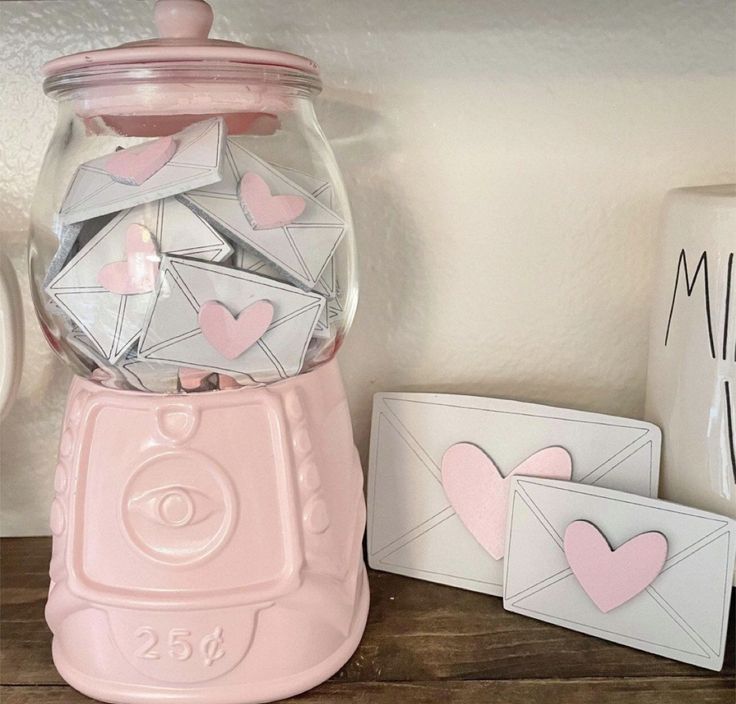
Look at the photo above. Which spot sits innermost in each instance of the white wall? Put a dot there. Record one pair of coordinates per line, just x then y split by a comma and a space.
506, 161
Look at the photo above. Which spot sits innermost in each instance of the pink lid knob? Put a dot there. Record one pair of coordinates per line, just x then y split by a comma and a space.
183, 19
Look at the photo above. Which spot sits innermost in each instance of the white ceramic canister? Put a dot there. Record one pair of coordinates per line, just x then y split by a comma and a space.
691, 387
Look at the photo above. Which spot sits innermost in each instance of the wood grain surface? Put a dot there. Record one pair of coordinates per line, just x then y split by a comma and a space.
423, 643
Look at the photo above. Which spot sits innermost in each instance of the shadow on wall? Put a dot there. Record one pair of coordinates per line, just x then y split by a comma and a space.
370, 162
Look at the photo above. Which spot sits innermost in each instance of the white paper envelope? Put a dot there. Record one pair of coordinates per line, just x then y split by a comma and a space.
413, 529
320, 188
172, 333
114, 321
682, 614
249, 260
196, 163
302, 249
327, 286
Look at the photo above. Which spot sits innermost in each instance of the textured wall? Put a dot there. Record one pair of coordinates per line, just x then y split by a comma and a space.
506, 161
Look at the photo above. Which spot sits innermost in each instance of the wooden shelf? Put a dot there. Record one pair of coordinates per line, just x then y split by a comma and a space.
424, 643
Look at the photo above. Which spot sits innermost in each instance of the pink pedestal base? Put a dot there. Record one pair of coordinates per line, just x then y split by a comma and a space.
207, 548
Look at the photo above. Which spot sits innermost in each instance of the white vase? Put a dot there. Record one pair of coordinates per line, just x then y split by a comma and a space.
691, 386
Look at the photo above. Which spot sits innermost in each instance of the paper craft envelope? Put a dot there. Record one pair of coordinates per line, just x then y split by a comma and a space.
682, 614
326, 286
172, 333
321, 189
196, 163
250, 260
413, 529
301, 249
114, 321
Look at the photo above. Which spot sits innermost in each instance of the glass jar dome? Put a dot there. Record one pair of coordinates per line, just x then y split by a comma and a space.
190, 229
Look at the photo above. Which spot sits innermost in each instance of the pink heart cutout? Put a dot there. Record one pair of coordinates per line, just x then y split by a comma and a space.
136, 165
264, 210
138, 271
230, 335
612, 577
479, 493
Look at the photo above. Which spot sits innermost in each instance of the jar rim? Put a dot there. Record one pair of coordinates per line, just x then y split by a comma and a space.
158, 75
178, 51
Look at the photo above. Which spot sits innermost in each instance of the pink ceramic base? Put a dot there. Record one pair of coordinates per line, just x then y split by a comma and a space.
207, 548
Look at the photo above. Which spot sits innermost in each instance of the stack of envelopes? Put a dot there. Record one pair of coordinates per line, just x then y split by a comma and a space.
190, 253
554, 510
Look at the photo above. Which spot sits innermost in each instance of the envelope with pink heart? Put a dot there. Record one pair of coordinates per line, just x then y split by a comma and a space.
150, 170
641, 572
327, 286
440, 467
213, 317
320, 188
106, 287
261, 208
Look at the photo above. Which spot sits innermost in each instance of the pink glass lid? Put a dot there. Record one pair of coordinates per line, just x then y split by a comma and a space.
183, 27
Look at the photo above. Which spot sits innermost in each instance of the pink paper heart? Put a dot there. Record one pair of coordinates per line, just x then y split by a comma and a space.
136, 165
263, 210
479, 493
138, 271
612, 577
232, 336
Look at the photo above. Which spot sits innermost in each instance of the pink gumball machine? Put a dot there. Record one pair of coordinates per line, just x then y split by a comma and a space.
192, 259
